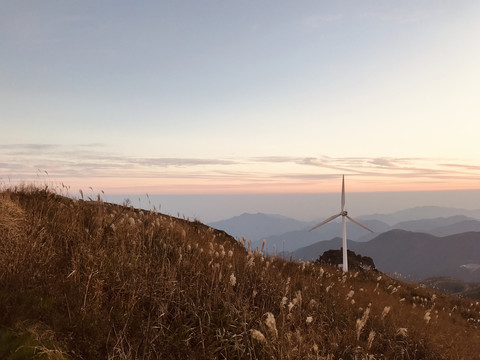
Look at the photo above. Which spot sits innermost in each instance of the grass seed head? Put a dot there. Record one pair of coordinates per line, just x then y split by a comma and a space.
257, 335
271, 324
233, 280
385, 311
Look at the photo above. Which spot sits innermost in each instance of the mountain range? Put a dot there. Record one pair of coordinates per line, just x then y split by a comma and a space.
258, 226
290, 234
412, 255
417, 243
422, 212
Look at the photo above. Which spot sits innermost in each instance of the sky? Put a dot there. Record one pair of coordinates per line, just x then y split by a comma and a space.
224, 97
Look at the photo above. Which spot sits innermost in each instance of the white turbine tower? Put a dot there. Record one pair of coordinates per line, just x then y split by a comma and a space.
344, 216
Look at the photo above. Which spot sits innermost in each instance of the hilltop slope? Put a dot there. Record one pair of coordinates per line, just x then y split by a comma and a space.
90, 280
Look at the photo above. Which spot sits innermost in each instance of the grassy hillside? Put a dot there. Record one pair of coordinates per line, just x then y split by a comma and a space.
90, 280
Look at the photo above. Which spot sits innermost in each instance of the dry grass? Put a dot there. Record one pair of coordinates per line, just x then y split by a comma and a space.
90, 280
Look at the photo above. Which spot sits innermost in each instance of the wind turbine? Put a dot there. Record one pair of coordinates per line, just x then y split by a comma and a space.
344, 215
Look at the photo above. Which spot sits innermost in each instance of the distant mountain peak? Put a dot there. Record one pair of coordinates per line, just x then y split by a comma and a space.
258, 226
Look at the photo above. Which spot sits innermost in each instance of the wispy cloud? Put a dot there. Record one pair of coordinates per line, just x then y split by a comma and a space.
24, 148
166, 162
94, 163
380, 167
91, 159
463, 166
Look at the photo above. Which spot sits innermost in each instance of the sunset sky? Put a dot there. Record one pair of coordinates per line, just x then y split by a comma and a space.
241, 97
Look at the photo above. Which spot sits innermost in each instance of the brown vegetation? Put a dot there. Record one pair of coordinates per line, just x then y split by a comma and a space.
90, 280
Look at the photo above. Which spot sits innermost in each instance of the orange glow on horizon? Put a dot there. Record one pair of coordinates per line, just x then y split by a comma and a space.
353, 184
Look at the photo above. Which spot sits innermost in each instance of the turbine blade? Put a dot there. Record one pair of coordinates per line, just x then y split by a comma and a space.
343, 192
325, 221
356, 222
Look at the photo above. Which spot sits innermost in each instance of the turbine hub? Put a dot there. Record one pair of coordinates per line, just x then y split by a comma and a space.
344, 213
